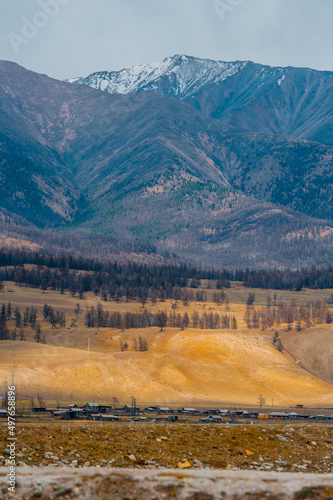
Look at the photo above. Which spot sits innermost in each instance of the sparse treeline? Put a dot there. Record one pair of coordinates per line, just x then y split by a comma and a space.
28, 318
54, 317
97, 317
303, 316
139, 345
284, 280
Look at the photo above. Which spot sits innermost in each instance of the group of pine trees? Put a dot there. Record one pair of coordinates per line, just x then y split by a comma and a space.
138, 345
28, 318
120, 286
56, 318
63, 271
98, 318
107, 286
111, 280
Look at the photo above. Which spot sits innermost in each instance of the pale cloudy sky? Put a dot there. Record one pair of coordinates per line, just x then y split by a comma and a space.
65, 38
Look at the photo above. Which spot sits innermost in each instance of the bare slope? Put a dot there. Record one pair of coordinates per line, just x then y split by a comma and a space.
313, 350
208, 366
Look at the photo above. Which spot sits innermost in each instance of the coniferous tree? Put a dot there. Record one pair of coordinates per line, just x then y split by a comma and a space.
38, 337
22, 336
9, 311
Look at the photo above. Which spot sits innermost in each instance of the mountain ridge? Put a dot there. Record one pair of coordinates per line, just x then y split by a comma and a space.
131, 79
153, 169
241, 94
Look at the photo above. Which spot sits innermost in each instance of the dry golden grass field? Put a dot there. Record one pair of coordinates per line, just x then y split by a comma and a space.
182, 367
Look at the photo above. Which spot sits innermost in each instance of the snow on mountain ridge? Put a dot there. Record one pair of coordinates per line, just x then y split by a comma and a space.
185, 75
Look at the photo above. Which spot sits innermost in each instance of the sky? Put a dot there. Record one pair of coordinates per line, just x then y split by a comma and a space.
68, 38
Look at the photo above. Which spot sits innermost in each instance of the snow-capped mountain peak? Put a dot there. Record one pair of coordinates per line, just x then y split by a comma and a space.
180, 76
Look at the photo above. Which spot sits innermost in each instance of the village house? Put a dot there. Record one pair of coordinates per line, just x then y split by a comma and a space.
164, 410
91, 407
152, 409
103, 417
293, 415
224, 413
78, 413
190, 411
211, 418
105, 409
278, 415
210, 411
131, 409
253, 414
239, 413
61, 414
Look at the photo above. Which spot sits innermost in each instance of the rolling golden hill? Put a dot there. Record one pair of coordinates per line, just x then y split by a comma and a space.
207, 367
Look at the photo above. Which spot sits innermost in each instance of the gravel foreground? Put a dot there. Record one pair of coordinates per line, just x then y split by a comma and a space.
128, 484
279, 448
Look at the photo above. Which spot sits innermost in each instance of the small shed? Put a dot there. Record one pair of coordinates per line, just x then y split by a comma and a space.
109, 418
173, 418
95, 416
39, 409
